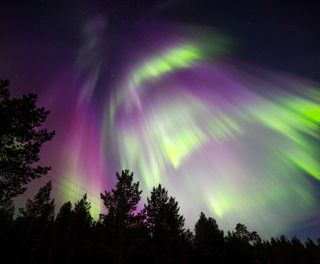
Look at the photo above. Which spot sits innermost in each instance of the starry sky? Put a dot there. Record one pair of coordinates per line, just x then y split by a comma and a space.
219, 101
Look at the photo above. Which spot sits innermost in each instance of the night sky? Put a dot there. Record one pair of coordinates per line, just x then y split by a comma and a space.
217, 101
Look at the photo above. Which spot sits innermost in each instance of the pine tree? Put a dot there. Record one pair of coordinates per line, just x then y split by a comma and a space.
41, 207
34, 224
123, 225
20, 141
121, 202
162, 214
165, 226
209, 239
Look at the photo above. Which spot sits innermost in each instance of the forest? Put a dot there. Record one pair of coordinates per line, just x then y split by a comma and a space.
126, 233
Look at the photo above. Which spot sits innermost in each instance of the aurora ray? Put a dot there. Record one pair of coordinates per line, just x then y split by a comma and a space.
223, 146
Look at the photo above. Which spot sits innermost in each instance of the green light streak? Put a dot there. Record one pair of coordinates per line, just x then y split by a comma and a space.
177, 58
294, 118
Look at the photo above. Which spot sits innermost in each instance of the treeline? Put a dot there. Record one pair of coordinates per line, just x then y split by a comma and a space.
125, 234
154, 234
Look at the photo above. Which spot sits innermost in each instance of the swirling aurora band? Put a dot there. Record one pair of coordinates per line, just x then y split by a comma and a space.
240, 147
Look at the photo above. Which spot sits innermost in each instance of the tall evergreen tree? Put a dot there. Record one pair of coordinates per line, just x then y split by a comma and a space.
20, 142
62, 238
165, 226
41, 207
209, 239
121, 202
64, 215
80, 230
162, 214
241, 244
81, 213
122, 222
72, 232
33, 226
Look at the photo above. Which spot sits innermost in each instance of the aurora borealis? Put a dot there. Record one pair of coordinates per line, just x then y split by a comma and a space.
234, 139
207, 132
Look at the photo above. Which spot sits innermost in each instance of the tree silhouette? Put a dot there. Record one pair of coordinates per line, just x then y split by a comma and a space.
122, 222
209, 239
162, 214
242, 233
81, 213
80, 229
71, 233
41, 207
64, 216
244, 245
121, 202
62, 237
164, 223
122, 235
20, 141
33, 225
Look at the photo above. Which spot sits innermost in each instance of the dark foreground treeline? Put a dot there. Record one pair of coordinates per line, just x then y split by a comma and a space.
156, 234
